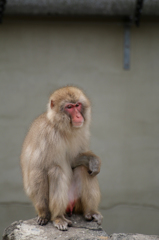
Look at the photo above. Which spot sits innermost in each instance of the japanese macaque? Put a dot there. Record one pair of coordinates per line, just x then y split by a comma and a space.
59, 170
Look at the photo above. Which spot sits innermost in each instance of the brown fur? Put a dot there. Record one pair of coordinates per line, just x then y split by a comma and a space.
51, 149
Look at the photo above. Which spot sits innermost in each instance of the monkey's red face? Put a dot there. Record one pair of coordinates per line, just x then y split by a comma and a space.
75, 113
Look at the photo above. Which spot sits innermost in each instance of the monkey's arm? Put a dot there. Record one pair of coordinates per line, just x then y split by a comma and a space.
90, 161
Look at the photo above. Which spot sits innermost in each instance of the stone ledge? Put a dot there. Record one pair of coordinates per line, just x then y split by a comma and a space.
128, 236
80, 230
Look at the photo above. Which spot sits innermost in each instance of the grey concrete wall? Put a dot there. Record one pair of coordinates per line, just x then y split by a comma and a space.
36, 57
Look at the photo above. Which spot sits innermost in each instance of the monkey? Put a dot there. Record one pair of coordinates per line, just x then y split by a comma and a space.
59, 170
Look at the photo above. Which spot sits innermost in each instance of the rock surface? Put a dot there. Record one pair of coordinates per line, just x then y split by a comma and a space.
124, 236
80, 230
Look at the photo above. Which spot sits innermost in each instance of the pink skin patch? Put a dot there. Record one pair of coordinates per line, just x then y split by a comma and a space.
70, 208
74, 111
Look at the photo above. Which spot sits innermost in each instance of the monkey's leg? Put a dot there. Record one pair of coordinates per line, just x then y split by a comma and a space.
39, 193
58, 197
89, 196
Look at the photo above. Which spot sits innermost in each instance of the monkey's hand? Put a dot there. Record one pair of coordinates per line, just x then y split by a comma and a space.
90, 161
94, 165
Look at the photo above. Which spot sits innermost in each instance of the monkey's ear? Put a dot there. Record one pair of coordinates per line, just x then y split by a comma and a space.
51, 104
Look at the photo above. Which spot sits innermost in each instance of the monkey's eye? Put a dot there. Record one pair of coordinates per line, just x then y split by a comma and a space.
69, 106
78, 105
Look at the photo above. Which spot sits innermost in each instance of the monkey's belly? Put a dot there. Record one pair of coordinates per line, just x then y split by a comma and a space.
74, 190
73, 196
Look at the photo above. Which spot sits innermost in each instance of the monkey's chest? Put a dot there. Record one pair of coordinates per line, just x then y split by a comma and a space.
74, 147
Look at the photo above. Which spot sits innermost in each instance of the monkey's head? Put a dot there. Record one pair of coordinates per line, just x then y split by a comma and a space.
69, 107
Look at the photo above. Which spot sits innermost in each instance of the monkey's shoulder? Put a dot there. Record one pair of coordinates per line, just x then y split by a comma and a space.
41, 118
39, 122
37, 125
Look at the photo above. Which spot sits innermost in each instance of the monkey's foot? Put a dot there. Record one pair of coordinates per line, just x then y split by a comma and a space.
44, 220
62, 223
68, 221
97, 217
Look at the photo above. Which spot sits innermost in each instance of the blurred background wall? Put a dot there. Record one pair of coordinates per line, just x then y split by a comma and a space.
39, 55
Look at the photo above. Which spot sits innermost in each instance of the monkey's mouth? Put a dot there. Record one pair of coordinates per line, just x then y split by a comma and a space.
77, 124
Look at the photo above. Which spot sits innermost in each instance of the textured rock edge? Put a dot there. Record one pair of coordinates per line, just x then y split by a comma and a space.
81, 229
